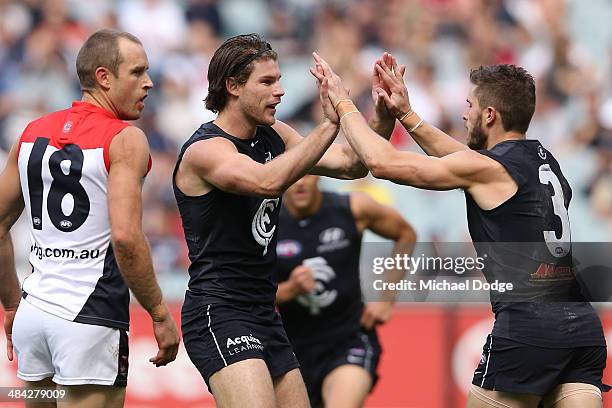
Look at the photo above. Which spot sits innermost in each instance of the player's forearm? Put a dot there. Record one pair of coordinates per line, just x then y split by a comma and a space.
354, 167
384, 127
370, 147
285, 292
292, 165
10, 292
432, 140
134, 259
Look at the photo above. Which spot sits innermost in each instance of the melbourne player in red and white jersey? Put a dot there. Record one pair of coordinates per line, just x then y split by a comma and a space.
78, 173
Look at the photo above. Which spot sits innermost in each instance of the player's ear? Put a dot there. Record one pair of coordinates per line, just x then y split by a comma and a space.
491, 115
232, 87
104, 77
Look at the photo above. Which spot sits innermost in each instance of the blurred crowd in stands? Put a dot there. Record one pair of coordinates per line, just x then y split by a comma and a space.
565, 44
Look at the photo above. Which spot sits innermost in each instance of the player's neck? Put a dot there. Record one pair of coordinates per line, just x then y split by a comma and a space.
307, 211
234, 122
100, 100
495, 138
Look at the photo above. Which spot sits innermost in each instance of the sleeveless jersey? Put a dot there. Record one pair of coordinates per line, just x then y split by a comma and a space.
63, 167
328, 242
231, 237
527, 241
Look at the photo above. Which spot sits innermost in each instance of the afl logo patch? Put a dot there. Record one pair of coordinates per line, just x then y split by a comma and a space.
541, 152
288, 248
65, 224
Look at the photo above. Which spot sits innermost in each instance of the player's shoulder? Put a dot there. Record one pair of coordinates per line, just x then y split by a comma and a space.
471, 161
45, 124
129, 137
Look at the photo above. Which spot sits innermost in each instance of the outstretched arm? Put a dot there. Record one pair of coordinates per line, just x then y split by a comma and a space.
462, 169
339, 160
218, 163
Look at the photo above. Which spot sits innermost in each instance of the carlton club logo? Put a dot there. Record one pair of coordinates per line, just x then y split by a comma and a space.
541, 152
261, 223
321, 297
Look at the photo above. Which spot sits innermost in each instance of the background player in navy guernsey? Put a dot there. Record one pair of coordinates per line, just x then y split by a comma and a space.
319, 295
79, 174
228, 183
549, 344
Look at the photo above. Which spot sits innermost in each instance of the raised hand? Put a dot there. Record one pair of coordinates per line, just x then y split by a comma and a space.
395, 95
378, 85
323, 85
335, 89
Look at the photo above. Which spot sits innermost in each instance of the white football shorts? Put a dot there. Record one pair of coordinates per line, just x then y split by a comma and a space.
72, 353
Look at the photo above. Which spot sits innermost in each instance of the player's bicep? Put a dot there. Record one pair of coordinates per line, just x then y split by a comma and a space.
335, 161
129, 160
218, 162
456, 170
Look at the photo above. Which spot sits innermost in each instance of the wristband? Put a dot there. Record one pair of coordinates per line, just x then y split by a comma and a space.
347, 113
415, 126
410, 112
341, 100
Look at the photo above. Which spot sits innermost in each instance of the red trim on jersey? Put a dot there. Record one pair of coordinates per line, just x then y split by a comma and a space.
20, 140
86, 125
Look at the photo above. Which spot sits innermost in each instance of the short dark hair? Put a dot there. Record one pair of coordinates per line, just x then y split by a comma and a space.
234, 59
101, 49
510, 90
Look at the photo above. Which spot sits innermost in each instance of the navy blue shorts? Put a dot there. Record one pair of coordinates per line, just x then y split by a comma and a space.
318, 360
217, 335
509, 366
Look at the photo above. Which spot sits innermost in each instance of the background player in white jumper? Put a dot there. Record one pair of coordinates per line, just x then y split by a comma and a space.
79, 174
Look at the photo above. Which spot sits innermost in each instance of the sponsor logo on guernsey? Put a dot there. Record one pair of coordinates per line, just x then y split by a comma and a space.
261, 227
552, 272
288, 248
332, 239
239, 344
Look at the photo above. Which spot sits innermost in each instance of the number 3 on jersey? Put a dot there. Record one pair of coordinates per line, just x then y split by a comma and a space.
558, 247
66, 181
